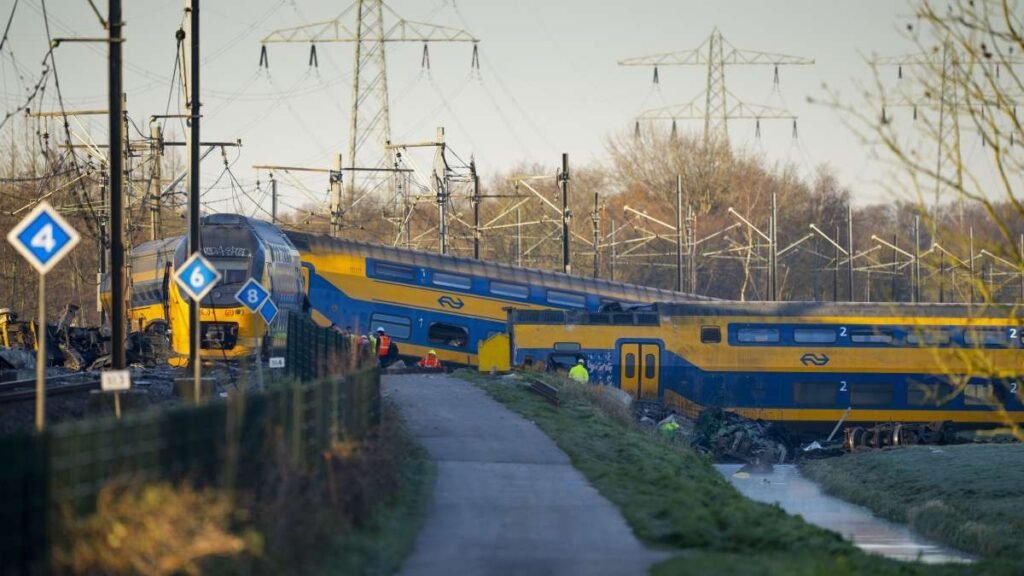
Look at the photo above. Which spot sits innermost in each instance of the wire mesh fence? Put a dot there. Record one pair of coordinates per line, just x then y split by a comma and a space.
222, 443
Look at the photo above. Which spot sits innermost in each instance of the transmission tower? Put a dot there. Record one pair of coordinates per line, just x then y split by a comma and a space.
719, 104
953, 79
370, 120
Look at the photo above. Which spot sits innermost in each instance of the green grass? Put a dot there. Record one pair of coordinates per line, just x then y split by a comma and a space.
674, 498
969, 496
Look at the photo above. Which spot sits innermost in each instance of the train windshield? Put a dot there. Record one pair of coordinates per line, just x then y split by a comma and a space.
234, 273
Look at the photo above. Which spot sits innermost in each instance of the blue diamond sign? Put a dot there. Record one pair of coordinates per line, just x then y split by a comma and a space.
43, 237
252, 295
197, 277
269, 311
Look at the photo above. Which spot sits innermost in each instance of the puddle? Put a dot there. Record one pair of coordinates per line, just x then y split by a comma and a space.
798, 495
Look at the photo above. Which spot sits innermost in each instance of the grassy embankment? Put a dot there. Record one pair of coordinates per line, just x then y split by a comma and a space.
968, 496
358, 513
674, 498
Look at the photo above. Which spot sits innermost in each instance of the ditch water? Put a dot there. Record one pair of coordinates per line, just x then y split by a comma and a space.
798, 495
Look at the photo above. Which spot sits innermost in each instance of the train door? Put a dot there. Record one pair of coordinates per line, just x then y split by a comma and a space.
639, 369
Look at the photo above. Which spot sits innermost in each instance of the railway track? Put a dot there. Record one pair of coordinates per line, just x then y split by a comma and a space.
19, 390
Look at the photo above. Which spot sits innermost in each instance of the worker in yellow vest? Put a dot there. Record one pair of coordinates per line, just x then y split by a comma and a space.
579, 372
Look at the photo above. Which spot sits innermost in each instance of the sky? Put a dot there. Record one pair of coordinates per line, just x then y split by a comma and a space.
548, 82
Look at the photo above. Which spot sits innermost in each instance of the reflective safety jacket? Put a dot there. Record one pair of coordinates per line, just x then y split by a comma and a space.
579, 374
430, 361
383, 344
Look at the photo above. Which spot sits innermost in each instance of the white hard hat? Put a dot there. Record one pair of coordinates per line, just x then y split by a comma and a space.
579, 361
380, 328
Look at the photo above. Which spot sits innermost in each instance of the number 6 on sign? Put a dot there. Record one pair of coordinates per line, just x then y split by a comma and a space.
197, 276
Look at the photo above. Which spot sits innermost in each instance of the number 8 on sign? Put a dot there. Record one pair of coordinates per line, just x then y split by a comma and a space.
252, 295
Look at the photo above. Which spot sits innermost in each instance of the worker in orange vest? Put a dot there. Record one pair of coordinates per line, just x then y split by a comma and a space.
387, 350
429, 361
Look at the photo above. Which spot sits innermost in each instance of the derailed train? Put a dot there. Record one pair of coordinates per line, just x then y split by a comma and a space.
806, 364
240, 248
425, 301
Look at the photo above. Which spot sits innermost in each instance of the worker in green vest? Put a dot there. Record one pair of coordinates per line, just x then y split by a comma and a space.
579, 372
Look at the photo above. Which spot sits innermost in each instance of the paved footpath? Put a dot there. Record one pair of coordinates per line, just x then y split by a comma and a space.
507, 499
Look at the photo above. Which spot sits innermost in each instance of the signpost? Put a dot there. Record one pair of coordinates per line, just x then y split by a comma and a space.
43, 238
253, 295
269, 312
196, 277
116, 381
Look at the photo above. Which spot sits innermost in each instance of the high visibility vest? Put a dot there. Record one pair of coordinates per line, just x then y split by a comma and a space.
579, 374
385, 344
430, 362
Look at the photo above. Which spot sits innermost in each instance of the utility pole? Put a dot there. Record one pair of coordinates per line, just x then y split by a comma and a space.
719, 105
441, 190
849, 246
774, 255
104, 249
155, 154
835, 271
917, 258
115, 97
893, 288
691, 227
679, 233
596, 222
476, 208
971, 262
192, 106
563, 180
519, 239
336, 178
273, 199
611, 260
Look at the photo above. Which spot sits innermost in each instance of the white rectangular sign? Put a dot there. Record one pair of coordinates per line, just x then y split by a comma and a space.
277, 362
116, 380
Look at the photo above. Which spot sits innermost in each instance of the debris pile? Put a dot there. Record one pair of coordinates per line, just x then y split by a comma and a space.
726, 435
73, 347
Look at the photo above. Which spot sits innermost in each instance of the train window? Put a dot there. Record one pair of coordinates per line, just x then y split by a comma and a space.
629, 367
452, 281
871, 336
396, 272
511, 290
979, 395
567, 346
918, 337
566, 299
561, 362
871, 393
814, 335
649, 366
757, 335
921, 394
710, 334
821, 393
986, 337
448, 335
394, 326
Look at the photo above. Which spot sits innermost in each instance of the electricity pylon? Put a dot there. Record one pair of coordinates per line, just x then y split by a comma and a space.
720, 105
953, 86
370, 121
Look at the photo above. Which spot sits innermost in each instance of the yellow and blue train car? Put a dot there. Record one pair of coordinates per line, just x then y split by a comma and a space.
806, 364
450, 304
240, 248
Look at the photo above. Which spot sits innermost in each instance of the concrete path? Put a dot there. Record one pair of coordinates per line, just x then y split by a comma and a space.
507, 500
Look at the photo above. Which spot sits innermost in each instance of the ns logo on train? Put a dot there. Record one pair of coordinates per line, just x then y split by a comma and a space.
814, 359
450, 302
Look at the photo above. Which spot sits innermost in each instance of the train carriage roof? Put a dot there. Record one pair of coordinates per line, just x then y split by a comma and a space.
503, 272
840, 309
